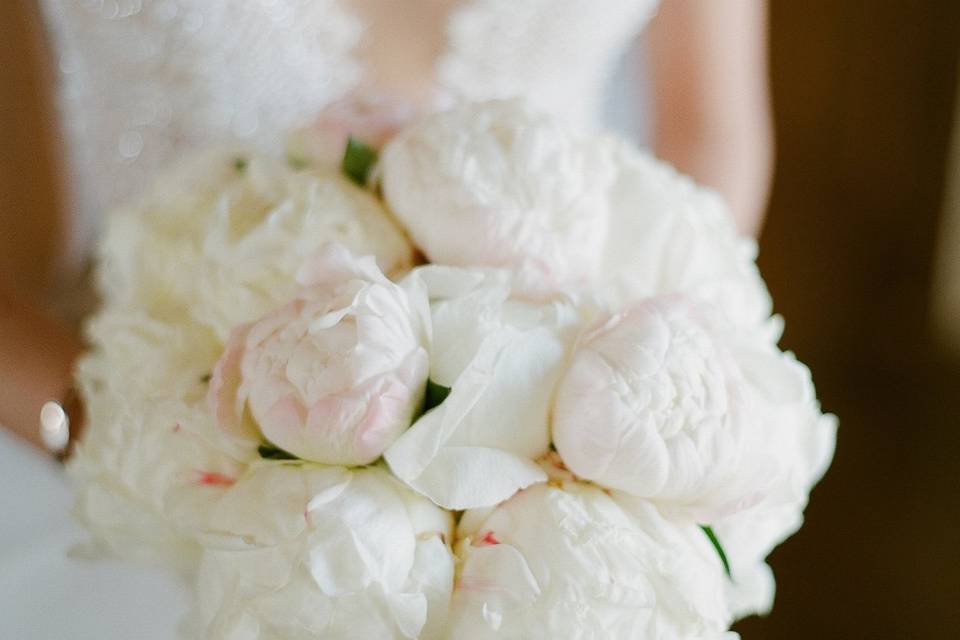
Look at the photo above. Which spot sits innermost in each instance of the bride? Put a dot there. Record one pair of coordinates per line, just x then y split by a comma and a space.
142, 81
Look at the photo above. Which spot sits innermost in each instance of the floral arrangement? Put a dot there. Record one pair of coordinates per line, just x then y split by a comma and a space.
484, 378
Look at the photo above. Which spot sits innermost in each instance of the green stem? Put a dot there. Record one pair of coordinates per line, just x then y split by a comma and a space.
358, 161
715, 541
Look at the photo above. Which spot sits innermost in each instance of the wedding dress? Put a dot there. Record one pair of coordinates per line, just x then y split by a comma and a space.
143, 81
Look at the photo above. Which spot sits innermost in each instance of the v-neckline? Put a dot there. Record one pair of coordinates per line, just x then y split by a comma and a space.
426, 89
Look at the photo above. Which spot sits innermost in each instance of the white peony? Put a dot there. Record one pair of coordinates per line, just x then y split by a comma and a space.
137, 356
300, 551
493, 185
801, 439
654, 404
151, 458
335, 375
565, 560
220, 238
668, 235
147, 471
501, 358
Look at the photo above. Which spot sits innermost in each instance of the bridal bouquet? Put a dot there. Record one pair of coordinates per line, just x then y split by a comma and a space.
483, 378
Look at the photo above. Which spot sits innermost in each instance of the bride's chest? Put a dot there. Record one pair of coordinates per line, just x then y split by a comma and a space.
411, 46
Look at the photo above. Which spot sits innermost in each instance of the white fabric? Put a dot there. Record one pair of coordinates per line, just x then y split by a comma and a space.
142, 81
46, 595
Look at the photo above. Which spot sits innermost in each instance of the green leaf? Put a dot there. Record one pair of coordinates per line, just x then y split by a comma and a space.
240, 165
715, 541
358, 161
270, 452
436, 393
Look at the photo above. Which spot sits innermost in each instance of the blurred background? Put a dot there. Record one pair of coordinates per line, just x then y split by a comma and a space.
862, 254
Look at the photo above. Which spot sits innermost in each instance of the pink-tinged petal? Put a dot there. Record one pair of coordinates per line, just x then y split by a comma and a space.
213, 479
390, 406
335, 375
285, 418
223, 397
486, 539
370, 117
334, 265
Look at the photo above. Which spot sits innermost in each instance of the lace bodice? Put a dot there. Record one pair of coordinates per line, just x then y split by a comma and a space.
142, 81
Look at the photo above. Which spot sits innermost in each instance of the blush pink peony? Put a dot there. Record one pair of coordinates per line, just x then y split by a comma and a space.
335, 375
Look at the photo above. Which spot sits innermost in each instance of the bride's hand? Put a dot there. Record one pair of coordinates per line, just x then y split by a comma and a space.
36, 363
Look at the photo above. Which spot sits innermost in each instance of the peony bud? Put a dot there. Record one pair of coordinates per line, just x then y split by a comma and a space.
373, 119
491, 185
335, 375
653, 405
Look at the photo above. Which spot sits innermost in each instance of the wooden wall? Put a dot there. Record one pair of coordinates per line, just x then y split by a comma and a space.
29, 189
863, 97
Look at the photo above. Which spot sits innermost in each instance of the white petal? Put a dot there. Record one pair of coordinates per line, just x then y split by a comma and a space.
476, 449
